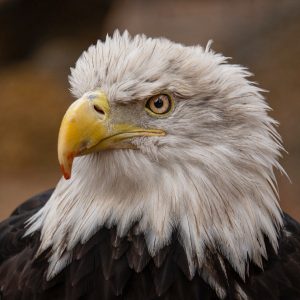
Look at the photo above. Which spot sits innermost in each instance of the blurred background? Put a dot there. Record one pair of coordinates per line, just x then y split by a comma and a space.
41, 40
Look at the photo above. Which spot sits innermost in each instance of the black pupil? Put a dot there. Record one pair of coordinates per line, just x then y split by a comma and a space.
158, 103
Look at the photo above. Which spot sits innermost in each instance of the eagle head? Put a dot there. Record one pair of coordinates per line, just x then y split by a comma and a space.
169, 139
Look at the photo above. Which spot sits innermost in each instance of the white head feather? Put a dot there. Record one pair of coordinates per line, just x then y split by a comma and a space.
210, 178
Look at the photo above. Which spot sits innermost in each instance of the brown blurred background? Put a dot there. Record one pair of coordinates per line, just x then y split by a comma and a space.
40, 40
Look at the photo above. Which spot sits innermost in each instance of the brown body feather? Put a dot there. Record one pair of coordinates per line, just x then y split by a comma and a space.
110, 267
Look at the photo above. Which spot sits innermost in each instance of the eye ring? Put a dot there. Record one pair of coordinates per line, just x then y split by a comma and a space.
159, 105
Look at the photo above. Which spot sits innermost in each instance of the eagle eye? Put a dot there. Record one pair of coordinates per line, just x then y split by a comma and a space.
159, 104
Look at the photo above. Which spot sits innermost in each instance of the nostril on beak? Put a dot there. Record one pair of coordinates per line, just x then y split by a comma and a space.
99, 110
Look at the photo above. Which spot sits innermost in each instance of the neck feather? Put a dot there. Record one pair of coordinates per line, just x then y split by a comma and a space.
233, 212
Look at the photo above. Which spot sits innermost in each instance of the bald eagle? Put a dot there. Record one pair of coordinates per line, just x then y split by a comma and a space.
169, 192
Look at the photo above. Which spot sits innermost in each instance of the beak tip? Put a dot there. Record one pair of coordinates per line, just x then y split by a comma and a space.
65, 163
67, 175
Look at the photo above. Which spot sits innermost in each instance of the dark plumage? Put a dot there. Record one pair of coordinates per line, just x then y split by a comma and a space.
110, 267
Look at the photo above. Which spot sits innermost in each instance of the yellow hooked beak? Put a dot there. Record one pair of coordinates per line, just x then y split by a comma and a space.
86, 127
